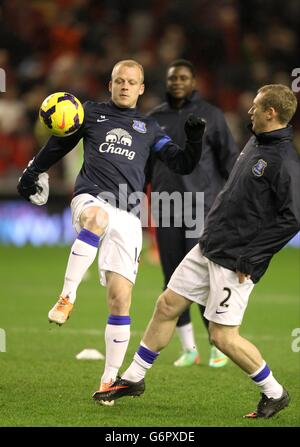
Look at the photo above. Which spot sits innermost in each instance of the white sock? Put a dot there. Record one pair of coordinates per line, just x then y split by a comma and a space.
116, 340
81, 257
186, 336
268, 384
138, 367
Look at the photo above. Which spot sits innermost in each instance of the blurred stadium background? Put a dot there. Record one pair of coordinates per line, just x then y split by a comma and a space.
71, 45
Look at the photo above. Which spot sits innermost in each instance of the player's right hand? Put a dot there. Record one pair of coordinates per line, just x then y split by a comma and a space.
194, 128
42, 194
27, 184
34, 187
242, 277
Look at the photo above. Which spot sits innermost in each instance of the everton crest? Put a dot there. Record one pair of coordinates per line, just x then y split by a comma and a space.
139, 126
259, 167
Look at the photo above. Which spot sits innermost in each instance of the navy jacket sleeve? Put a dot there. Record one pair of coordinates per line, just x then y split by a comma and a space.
181, 161
274, 235
225, 149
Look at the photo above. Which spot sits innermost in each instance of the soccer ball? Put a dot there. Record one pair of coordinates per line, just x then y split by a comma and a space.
62, 114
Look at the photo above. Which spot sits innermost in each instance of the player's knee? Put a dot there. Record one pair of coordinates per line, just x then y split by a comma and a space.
217, 337
119, 303
221, 338
95, 220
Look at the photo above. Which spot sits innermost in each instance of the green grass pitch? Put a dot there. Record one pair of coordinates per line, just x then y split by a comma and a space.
42, 384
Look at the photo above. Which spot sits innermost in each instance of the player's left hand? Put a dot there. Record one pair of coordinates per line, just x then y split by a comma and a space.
242, 277
194, 128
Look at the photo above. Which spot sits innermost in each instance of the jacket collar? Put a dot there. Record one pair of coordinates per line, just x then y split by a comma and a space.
274, 136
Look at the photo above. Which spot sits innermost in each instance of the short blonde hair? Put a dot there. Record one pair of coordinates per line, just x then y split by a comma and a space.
129, 63
281, 98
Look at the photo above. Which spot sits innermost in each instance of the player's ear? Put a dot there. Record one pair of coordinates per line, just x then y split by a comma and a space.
142, 89
271, 113
109, 86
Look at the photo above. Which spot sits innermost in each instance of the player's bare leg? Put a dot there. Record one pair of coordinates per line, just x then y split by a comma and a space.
163, 322
158, 334
117, 331
248, 358
239, 349
93, 221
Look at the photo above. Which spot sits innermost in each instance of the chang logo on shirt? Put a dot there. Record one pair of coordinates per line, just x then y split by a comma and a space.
117, 137
259, 168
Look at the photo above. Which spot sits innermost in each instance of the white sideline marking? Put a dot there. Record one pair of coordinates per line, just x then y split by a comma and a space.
2, 340
100, 332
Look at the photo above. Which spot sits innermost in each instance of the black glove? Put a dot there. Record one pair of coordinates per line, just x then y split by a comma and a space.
194, 128
27, 184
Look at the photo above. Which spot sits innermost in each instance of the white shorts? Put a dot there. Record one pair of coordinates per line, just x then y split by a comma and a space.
121, 245
217, 288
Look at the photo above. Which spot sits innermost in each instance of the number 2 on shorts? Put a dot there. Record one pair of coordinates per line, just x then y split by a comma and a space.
224, 302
